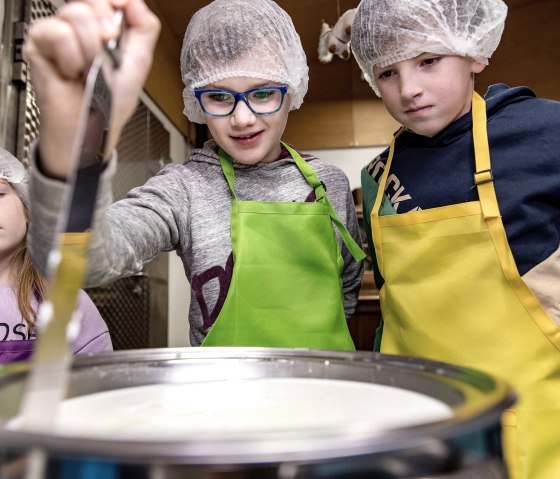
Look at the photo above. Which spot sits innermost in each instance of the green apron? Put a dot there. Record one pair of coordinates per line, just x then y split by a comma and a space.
286, 289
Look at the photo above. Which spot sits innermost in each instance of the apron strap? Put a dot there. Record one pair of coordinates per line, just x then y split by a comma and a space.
307, 172
483, 178
385, 175
376, 231
321, 196
227, 168
484, 182
310, 176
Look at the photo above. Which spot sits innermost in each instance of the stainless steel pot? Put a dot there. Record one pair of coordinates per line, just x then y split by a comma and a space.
467, 445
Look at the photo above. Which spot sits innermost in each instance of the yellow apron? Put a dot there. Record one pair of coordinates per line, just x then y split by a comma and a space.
453, 293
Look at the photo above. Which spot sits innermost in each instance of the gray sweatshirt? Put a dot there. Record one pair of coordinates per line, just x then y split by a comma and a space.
186, 208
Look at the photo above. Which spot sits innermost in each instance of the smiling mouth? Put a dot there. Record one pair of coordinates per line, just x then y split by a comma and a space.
247, 139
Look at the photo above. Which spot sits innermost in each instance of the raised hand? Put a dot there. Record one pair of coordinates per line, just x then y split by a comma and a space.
60, 50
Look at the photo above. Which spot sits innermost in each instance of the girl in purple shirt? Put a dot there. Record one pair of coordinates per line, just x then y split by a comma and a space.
21, 286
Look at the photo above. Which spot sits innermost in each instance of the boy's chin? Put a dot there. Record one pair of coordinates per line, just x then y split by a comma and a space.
427, 129
426, 133
421, 131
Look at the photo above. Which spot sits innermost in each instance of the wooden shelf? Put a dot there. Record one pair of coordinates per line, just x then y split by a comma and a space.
365, 320
368, 290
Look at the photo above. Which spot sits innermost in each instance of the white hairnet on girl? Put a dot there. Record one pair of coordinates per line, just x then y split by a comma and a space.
13, 171
385, 32
241, 38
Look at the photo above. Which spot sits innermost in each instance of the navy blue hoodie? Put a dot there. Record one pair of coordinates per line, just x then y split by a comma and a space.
524, 140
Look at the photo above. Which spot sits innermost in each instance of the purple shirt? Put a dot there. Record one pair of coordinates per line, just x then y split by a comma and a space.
16, 338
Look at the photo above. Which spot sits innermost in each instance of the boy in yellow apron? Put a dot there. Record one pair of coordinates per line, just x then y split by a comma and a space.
466, 236
269, 240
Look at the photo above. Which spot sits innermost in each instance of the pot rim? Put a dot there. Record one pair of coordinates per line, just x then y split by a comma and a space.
486, 399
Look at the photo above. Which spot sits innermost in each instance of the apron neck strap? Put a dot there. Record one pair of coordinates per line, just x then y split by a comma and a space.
227, 167
320, 195
483, 177
385, 175
307, 172
310, 176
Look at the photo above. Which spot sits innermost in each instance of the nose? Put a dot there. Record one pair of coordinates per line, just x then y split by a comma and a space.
410, 86
242, 116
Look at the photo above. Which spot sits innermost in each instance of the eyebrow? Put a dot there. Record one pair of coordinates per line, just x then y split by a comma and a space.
265, 84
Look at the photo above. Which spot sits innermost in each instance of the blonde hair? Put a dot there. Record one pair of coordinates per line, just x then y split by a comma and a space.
27, 281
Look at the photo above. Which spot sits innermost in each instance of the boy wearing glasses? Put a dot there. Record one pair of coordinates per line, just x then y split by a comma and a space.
272, 260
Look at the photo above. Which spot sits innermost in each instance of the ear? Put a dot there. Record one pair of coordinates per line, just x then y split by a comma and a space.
325, 55
476, 66
348, 19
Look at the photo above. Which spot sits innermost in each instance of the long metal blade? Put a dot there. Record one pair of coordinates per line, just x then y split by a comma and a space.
46, 384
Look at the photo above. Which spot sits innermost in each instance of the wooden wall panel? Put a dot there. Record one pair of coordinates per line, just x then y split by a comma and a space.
528, 52
340, 109
340, 124
373, 126
326, 124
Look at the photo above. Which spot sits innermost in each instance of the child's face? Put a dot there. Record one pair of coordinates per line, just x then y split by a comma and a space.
12, 221
249, 138
428, 92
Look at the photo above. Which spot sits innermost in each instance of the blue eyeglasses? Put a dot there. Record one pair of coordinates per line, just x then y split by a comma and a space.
261, 101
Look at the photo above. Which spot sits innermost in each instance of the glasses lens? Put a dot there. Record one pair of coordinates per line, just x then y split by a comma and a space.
265, 100
218, 102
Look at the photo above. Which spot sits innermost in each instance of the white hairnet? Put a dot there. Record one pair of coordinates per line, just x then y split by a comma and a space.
13, 171
241, 38
385, 32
